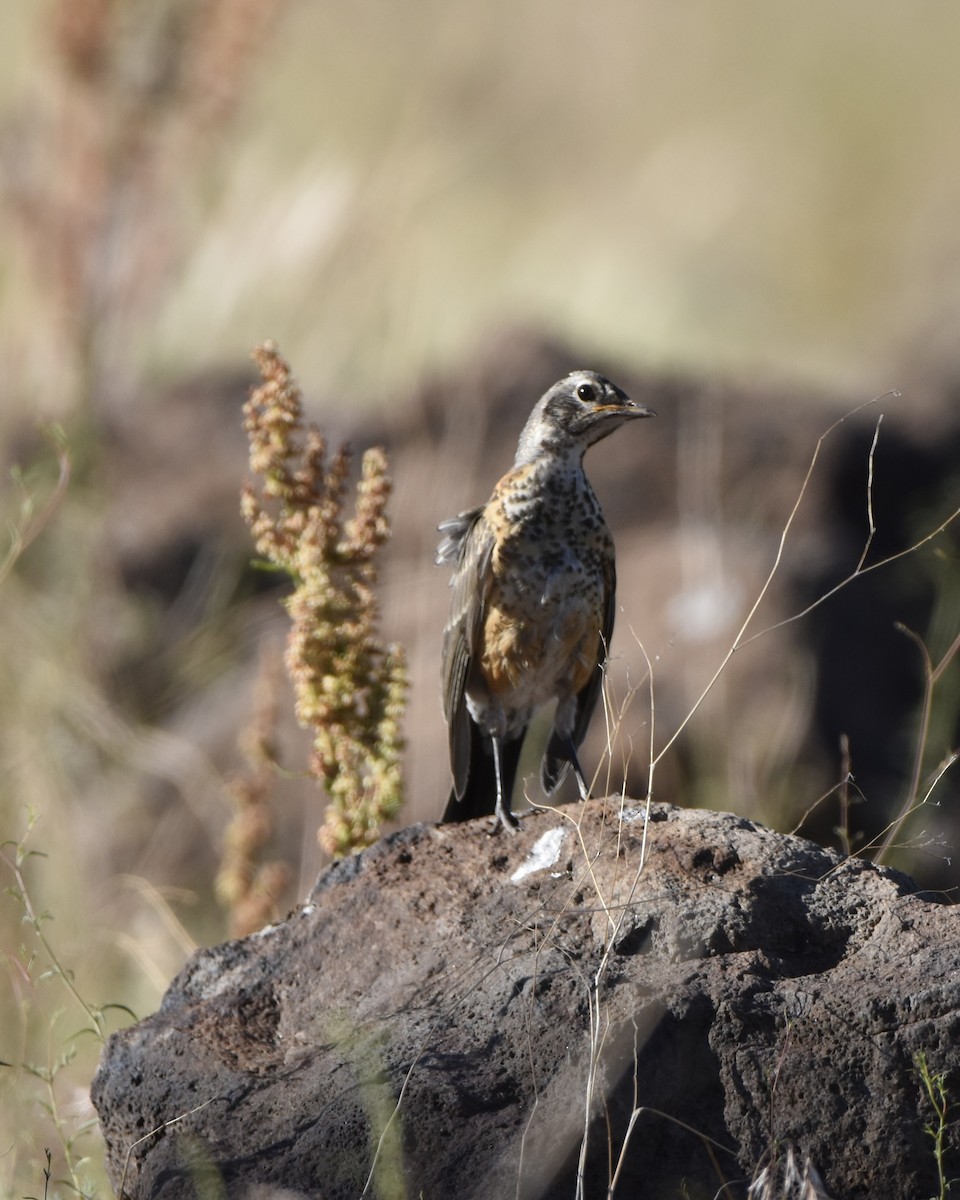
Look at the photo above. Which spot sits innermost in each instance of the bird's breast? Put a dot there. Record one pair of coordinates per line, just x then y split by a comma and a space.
529, 661
545, 598
542, 622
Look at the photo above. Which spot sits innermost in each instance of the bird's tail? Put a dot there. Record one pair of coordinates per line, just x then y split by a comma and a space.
479, 798
559, 757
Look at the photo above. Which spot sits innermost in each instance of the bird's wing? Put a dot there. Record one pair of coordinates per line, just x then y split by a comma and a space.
455, 532
589, 694
468, 543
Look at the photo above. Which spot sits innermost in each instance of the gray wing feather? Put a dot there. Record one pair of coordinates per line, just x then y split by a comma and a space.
588, 696
468, 545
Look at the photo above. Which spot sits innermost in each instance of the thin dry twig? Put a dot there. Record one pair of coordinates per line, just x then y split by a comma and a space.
931, 676
741, 639
121, 1195
871, 523
32, 520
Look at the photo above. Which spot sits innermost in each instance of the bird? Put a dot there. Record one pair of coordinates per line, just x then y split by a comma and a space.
532, 603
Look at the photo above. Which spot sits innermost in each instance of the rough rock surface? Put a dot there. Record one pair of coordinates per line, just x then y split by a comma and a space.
671, 1004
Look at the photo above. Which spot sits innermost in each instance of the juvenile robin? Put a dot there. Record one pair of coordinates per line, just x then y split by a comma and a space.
531, 615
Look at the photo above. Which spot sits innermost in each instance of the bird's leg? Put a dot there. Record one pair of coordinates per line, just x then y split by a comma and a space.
502, 813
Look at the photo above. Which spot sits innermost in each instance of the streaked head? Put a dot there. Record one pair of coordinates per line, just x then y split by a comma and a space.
575, 413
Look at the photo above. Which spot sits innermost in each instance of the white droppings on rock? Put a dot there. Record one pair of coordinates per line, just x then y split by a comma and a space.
545, 852
265, 932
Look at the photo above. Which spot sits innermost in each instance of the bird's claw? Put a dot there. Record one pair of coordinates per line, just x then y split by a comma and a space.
504, 819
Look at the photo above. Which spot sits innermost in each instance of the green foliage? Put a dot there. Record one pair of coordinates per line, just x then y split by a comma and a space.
41, 1062
935, 1086
363, 1050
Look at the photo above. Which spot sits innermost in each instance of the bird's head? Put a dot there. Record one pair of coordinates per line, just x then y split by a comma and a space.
575, 413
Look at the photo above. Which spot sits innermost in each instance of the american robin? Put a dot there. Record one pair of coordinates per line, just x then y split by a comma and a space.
531, 614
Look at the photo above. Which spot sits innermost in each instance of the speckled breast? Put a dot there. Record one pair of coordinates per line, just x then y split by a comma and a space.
547, 597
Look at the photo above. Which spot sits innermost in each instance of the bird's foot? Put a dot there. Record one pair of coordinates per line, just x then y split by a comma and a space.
504, 818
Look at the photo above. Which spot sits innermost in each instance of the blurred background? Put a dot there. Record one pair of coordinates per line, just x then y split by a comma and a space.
745, 214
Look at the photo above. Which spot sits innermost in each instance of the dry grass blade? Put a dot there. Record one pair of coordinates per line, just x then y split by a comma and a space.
33, 521
931, 676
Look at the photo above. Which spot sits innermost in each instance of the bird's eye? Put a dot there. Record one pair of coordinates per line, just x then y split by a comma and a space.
587, 393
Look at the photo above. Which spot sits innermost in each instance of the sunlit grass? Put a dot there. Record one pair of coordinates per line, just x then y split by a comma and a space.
744, 189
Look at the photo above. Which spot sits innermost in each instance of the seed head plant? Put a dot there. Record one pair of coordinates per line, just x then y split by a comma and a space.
350, 687
247, 887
